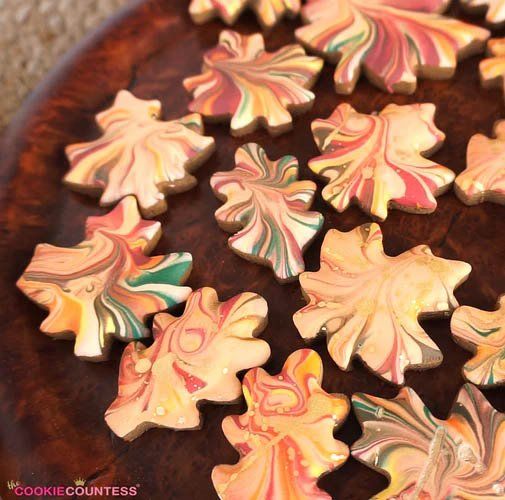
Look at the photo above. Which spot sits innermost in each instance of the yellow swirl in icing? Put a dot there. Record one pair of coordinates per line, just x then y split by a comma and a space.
428, 458
194, 358
483, 333
139, 155
106, 285
285, 438
368, 304
242, 81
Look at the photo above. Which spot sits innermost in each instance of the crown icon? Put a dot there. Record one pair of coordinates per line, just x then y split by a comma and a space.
79, 481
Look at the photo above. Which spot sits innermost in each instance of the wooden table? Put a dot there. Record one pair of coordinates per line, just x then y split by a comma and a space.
51, 404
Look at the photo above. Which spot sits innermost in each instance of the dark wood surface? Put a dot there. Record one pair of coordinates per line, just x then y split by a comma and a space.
51, 404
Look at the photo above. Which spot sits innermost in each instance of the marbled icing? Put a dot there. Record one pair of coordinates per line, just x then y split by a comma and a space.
285, 438
393, 41
482, 332
194, 358
105, 286
428, 458
242, 81
369, 304
268, 209
138, 154
368, 159
484, 176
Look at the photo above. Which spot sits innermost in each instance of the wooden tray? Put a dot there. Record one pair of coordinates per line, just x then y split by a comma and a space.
51, 404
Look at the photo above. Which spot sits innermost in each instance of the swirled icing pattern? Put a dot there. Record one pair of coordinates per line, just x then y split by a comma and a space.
484, 177
242, 81
369, 159
106, 285
269, 12
139, 154
285, 439
428, 458
483, 333
368, 304
492, 69
394, 40
194, 358
495, 9
268, 207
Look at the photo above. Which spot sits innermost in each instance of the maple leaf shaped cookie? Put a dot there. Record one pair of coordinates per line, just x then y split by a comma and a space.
269, 12
242, 81
194, 358
368, 304
428, 458
105, 286
139, 155
483, 333
492, 69
285, 439
495, 14
268, 208
484, 177
369, 159
394, 41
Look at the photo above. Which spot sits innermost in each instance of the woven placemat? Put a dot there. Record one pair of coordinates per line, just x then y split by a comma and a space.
33, 34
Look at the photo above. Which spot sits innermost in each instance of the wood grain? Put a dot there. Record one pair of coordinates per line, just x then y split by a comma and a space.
51, 404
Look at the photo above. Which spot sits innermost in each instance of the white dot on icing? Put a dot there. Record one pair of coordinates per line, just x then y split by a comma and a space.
181, 420
442, 306
225, 371
160, 410
335, 457
499, 489
143, 365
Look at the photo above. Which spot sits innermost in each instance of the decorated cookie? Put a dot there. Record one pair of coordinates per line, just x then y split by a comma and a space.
105, 286
484, 177
268, 210
370, 160
394, 41
495, 9
368, 304
428, 458
285, 439
241, 81
492, 69
483, 333
139, 155
194, 358
269, 12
